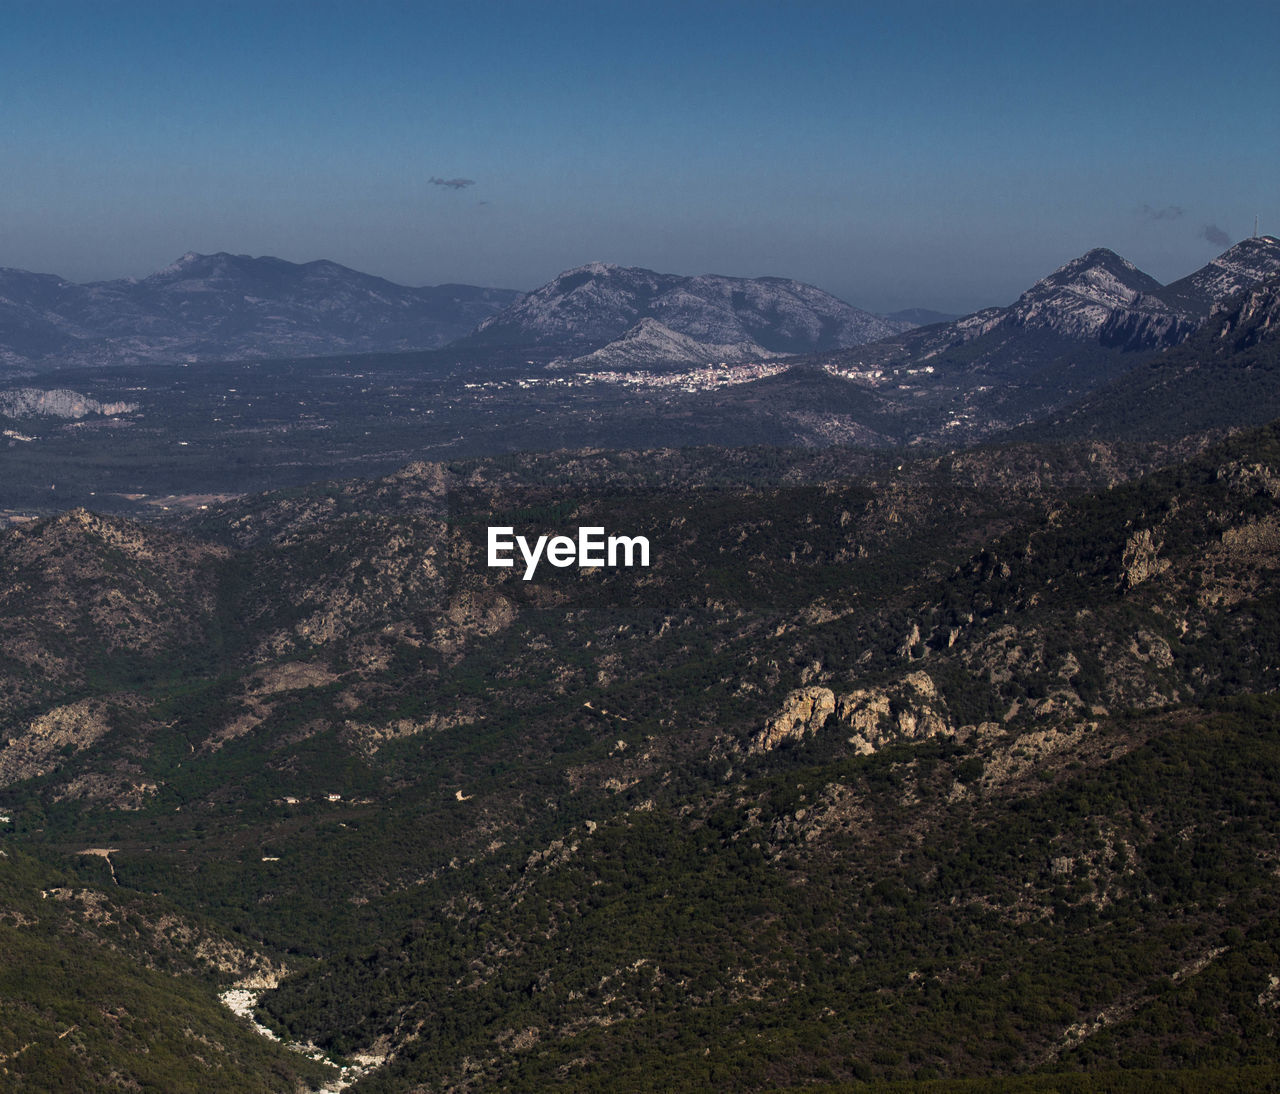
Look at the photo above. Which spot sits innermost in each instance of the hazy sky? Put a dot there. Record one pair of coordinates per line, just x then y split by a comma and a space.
938, 154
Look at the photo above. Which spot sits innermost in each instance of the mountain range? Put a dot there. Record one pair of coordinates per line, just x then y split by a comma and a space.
602, 317
229, 307
933, 768
1080, 328
625, 313
1097, 298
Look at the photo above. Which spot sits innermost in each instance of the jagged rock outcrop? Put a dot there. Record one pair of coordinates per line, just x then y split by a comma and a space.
1250, 479
803, 712
1141, 559
909, 710
1252, 319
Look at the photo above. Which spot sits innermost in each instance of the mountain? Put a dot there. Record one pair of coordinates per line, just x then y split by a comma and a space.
1224, 376
1100, 295
1077, 299
231, 307
1080, 328
1174, 312
650, 344
883, 769
1240, 267
586, 308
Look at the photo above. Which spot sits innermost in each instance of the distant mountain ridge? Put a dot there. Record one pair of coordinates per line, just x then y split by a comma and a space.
1224, 376
1073, 332
230, 307
593, 306
1098, 298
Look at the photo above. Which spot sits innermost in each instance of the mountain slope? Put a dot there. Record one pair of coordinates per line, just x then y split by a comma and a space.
1240, 267
225, 306
650, 344
588, 307
882, 768
1077, 330
1226, 375
109, 990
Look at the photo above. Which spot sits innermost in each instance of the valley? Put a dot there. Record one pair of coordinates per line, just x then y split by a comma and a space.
927, 738
933, 743
137, 438
639, 549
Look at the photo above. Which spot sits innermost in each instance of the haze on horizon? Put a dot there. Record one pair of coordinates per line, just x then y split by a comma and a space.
919, 154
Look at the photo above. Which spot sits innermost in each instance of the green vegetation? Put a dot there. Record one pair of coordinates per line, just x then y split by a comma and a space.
91, 999
560, 834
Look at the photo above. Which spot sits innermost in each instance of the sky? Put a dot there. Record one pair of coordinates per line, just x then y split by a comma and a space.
941, 155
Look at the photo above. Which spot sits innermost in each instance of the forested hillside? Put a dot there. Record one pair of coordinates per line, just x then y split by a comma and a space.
883, 769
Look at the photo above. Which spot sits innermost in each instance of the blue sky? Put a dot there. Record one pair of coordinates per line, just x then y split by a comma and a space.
934, 154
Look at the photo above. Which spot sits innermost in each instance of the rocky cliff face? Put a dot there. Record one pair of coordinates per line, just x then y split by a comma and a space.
1254, 318
1148, 324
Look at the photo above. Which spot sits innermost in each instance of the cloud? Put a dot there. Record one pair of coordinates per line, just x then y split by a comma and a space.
453, 184
1169, 212
1215, 235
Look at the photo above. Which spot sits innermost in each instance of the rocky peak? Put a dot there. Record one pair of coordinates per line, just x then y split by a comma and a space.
1078, 299
908, 709
1250, 262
